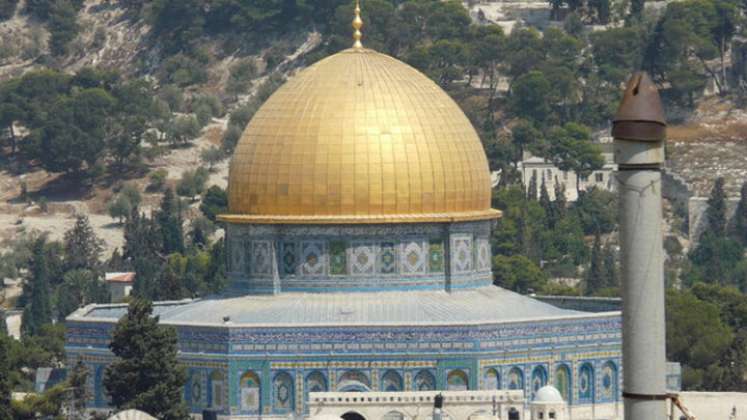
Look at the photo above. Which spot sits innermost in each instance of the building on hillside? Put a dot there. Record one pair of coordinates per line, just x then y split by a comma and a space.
534, 167
120, 285
358, 237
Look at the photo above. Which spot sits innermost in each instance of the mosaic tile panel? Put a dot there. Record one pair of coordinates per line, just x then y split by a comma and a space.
387, 258
288, 258
362, 259
237, 256
261, 258
461, 251
337, 258
483, 255
413, 257
436, 256
312, 254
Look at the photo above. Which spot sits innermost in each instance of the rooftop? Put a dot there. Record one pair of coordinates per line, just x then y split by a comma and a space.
486, 305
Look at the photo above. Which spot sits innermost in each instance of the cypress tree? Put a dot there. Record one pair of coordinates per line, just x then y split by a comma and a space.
5, 412
532, 189
594, 276
610, 268
740, 216
716, 212
560, 202
40, 310
81, 246
216, 272
170, 223
547, 205
3, 323
170, 284
146, 374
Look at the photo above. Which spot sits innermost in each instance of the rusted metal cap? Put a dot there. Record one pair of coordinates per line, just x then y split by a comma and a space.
641, 115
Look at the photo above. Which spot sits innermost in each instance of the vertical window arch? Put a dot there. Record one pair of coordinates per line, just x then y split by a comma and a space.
457, 380
492, 379
586, 383
515, 378
353, 381
539, 378
316, 382
282, 393
391, 381
249, 392
563, 382
424, 381
609, 381
216, 389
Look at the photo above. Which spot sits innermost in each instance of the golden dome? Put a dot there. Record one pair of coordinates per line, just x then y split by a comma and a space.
359, 137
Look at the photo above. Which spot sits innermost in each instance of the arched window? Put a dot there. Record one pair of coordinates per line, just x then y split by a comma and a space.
539, 378
249, 392
424, 381
563, 382
457, 380
586, 383
353, 381
515, 378
609, 381
492, 380
216, 389
393, 415
352, 415
391, 381
316, 382
513, 414
282, 393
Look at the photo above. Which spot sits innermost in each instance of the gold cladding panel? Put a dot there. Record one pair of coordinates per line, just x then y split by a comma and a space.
359, 135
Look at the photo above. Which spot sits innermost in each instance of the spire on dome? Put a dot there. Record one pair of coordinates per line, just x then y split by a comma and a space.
357, 25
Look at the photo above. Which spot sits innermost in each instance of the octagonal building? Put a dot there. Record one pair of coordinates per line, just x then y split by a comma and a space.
359, 258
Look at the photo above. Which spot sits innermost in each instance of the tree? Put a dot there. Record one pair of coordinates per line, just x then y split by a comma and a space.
214, 202
120, 208
79, 393
716, 212
211, 156
146, 374
696, 337
5, 411
192, 182
609, 267
595, 275
740, 216
547, 205
82, 247
517, 273
529, 97
80, 287
39, 312
169, 219
570, 149
532, 188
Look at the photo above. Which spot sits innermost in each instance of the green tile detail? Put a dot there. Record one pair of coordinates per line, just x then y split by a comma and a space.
436, 256
337, 258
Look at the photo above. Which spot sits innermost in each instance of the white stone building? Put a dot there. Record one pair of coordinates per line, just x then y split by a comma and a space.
535, 166
120, 285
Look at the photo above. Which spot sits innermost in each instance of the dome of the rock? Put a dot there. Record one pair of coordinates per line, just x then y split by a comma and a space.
359, 137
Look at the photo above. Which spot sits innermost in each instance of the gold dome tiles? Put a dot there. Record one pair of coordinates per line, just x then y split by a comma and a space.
359, 138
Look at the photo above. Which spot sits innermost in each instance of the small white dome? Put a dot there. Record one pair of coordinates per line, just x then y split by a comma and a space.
132, 414
548, 394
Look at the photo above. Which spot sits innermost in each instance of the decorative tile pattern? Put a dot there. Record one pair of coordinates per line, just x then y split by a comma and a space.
461, 253
436, 256
337, 258
261, 258
237, 256
387, 258
288, 258
362, 259
312, 253
483, 254
609, 381
413, 257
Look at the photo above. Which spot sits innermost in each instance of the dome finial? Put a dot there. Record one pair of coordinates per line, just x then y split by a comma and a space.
357, 25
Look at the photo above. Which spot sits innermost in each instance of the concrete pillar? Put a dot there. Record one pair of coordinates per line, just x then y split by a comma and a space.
639, 131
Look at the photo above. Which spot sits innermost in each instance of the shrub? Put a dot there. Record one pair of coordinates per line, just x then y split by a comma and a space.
157, 179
